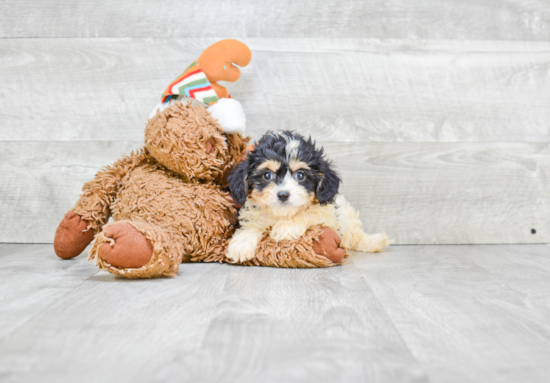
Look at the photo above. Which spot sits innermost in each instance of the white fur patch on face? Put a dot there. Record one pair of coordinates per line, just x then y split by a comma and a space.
292, 145
299, 197
291, 149
298, 200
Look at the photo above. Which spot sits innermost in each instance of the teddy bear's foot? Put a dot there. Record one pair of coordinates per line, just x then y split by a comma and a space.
328, 245
129, 247
72, 236
135, 249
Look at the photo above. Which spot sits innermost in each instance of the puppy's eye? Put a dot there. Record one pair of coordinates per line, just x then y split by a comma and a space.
299, 176
268, 176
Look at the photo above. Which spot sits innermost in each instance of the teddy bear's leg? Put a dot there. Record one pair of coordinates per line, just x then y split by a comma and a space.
92, 211
135, 249
318, 247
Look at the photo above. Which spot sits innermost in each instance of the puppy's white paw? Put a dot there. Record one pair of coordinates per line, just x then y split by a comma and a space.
287, 230
373, 243
241, 248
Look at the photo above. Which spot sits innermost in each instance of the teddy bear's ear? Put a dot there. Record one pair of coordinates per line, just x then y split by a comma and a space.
238, 182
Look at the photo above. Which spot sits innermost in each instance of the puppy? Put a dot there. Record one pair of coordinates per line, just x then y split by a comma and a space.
287, 185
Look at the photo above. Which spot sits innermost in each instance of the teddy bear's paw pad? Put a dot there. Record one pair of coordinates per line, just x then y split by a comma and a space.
328, 246
72, 236
373, 243
129, 248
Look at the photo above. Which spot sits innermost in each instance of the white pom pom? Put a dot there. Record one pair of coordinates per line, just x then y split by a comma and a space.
230, 115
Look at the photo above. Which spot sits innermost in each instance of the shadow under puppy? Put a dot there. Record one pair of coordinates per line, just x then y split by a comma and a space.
286, 186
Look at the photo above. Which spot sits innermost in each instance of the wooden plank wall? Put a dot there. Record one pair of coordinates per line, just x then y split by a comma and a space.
437, 113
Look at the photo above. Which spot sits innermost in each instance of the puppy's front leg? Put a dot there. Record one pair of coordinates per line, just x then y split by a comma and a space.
242, 246
288, 229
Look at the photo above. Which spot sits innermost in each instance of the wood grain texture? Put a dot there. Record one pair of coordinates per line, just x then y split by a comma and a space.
297, 326
449, 193
31, 281
122, 326
41, 181
212, 323
342, 90
419, 193
409, 314
526, 274
465, 322
426, 19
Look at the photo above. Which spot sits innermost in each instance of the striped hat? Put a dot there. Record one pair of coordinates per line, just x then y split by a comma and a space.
191, 83
199, 81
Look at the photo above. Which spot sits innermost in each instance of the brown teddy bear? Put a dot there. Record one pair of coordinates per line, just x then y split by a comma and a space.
170, 201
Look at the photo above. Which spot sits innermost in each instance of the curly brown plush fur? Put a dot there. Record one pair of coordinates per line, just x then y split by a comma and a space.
170, 205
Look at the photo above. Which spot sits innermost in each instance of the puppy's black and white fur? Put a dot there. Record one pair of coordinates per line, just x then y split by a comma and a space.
286, 186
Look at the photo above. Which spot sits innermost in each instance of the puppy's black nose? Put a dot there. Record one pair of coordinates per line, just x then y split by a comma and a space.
283, 196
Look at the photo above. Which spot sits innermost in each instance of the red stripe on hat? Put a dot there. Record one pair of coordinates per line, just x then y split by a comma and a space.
167, 91
192, 92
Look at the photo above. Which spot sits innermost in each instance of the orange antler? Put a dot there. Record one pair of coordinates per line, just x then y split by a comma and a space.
217, 61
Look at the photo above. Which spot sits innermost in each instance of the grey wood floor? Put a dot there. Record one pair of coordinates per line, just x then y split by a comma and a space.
472, 313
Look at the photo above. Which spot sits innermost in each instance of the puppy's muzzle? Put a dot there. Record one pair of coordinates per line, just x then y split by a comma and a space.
283, 196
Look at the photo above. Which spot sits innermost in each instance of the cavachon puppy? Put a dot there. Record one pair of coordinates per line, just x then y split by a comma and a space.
287, 185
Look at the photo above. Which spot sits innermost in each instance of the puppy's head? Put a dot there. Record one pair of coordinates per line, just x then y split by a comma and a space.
284, 174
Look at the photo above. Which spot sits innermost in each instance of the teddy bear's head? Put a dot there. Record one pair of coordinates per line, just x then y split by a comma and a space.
186, 139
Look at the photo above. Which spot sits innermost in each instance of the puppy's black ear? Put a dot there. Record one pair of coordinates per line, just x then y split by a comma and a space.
328, 186
238, 182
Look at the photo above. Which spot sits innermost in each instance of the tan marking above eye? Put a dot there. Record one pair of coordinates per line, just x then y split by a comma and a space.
295, 165
271, 165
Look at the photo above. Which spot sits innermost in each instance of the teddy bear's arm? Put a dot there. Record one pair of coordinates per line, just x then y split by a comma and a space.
94, 205
93, 208
318, 247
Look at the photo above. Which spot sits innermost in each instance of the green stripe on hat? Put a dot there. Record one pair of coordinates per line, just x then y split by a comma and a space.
211, 99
